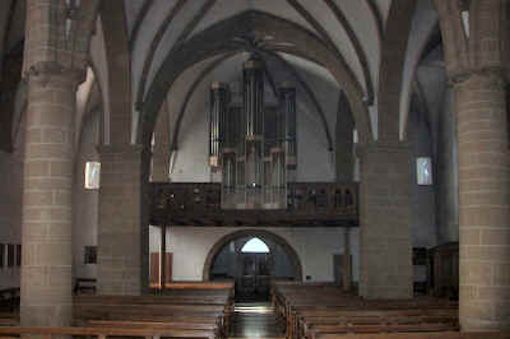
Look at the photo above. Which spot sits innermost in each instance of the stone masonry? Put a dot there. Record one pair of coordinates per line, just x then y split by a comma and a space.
120, 216
385, 244
54, 65
484, 201
475, 63
47, 204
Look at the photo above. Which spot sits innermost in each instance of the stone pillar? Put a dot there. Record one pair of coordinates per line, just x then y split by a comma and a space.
46, 279
484, 202
385, 244
346, 262
161, 151
122, 241
447, 197
344, 154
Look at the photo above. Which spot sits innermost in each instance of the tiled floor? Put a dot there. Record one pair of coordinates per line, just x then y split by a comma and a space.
255, 320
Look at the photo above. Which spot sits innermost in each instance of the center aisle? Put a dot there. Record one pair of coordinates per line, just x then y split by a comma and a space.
256, 320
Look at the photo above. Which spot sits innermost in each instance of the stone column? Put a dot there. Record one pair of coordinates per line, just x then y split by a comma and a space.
346, 262
344, 154
447, 197
122, 241
484, 202
385, 244
161, 151
46, 278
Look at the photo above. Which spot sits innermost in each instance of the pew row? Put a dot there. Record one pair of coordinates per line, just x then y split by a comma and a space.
190, 306
316, 310
187, 311
105, 332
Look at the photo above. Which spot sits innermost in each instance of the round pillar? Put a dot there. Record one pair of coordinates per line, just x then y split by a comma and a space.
46, 278
484, 202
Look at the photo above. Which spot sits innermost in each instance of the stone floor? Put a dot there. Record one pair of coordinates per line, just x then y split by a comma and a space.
256, 320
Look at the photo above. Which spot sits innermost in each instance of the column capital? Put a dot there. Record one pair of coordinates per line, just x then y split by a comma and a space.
383, 147
127, 149
491, 76
46, 72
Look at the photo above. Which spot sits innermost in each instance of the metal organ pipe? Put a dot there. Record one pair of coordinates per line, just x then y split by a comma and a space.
253, 104
255, 149
217, 116
253, 95
288, 107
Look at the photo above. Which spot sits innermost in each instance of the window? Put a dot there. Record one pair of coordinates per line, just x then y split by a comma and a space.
92, 175
10, 255
424, 171
90, 256
255, 245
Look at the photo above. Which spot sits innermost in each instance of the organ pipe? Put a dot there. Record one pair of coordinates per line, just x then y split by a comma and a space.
288, 108
253, 103
253, 146
217, 119
253, 97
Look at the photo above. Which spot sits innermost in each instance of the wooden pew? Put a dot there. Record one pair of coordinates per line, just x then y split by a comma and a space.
9, 299
429, 335
195, 310
105, 332
184, 306
313, 311
84, 286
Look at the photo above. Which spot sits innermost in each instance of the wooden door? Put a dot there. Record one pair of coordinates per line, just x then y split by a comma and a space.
253, 283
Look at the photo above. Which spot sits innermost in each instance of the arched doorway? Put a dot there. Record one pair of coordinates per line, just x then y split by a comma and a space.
253, 259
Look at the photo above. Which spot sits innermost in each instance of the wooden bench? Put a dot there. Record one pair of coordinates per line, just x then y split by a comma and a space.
184, 306
106, 332
186, 310
9, 299
84, 286
429, 335
314, 311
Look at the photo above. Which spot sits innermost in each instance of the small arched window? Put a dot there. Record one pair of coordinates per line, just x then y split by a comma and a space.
255, 245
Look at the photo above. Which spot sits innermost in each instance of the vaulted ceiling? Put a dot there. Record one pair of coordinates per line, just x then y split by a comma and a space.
141, 47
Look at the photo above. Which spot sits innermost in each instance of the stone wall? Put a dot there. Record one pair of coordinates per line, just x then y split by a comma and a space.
385, 240
11, 167
120, 219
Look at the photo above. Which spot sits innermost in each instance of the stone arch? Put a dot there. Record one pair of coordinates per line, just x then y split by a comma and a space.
393, 55
256, 233
118, 68
220, 38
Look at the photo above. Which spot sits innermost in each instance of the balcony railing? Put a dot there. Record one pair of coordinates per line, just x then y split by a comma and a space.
308, 204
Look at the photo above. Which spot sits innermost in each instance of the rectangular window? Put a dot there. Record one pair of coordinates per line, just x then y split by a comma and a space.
92, 175
90, 256
424, 171
18, 255
10, 255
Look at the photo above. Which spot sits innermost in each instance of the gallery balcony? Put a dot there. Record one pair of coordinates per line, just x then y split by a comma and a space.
307, 204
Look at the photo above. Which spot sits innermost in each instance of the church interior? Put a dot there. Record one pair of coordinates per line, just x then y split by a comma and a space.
255, 168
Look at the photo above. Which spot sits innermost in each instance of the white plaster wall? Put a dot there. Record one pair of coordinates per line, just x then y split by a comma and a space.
315, 247
315, 161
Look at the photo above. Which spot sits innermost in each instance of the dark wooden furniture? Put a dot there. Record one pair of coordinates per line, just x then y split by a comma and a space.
199, 204
84, 286
322, 310
444, 268
191, 307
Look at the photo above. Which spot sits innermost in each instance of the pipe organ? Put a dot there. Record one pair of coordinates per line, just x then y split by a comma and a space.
253, 145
